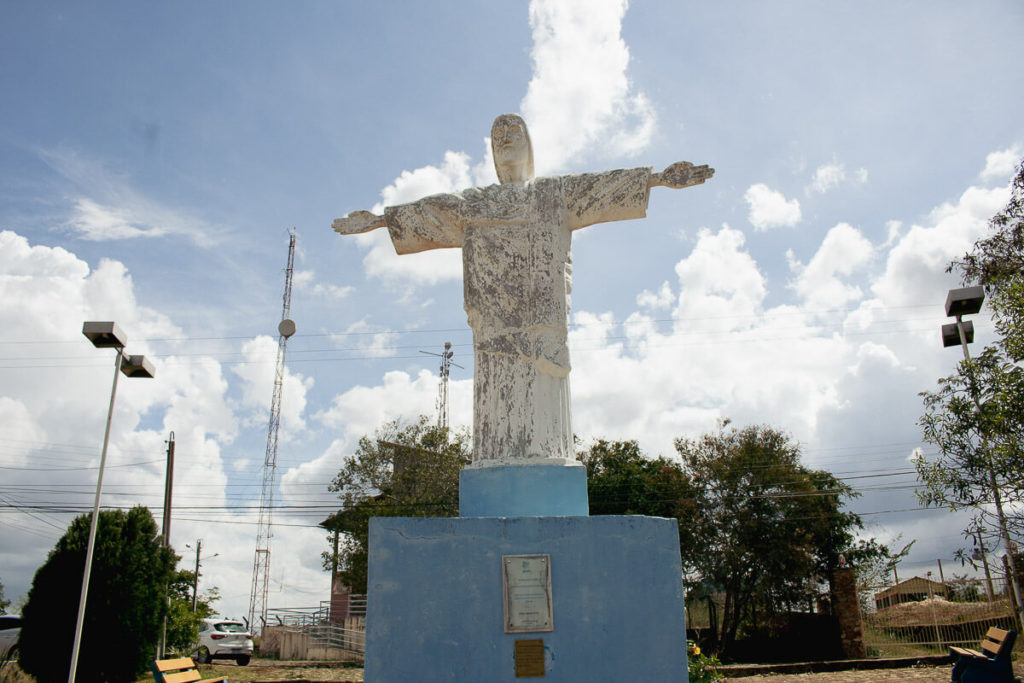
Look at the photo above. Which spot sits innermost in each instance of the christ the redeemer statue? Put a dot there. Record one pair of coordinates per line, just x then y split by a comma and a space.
517, 276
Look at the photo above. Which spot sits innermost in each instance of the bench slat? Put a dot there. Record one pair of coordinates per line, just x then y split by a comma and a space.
163, 665
186, 672
189, 676
996, 633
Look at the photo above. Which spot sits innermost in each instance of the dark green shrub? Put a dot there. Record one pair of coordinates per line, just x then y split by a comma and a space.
125, 607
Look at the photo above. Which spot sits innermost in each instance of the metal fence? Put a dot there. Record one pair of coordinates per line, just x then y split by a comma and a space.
325, 628
919, 616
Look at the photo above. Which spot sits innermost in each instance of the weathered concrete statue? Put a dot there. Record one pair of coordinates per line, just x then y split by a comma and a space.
517, 276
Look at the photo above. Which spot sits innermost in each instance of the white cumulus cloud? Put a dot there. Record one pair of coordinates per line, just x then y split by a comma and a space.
579, 101
820, 282
770, 209
1001, 164
580, 95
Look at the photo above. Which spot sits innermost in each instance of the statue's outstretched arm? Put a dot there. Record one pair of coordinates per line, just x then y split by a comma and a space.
357, 222
681, 174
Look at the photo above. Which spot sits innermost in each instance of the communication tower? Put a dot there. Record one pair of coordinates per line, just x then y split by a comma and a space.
261, 562
442, 390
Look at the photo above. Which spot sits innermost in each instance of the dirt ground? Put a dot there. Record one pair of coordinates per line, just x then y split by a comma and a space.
267, 671
270, 671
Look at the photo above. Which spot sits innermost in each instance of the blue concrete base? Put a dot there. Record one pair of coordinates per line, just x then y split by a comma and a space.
434, 610
523, 491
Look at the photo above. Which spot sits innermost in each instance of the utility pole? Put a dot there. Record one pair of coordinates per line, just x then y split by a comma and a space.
195, 580
168, 485
261, 561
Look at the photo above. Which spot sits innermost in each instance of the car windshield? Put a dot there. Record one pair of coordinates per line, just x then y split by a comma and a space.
230, 627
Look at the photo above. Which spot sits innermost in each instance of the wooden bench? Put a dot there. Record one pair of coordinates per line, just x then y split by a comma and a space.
992, 664
180, 671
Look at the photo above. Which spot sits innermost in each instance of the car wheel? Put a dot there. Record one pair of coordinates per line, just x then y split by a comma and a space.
203, 656
243, 660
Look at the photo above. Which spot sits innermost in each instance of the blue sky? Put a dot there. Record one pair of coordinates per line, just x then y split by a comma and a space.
154, 157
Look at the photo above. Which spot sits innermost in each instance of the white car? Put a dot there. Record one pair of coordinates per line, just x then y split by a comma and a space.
10, 629
224, 639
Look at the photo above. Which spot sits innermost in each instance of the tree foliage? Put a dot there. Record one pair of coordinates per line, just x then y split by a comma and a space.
768, 531
4, 603
406, 470
182, 622
754, 523
621, 480
976, 416
127, 600
997, 263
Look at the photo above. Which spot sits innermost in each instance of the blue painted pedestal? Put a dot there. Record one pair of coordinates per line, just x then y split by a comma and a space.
434, 610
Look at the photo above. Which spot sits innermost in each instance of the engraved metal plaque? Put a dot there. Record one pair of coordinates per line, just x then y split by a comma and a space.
530, 658
526, 582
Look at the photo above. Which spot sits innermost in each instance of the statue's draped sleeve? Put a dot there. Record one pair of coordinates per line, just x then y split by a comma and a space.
609, 196
434, 222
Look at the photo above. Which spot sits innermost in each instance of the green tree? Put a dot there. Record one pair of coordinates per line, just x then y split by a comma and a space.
127, 600
976, 416
182, 622
621, 480
997, 263
406, 470
4, 603
768, 531
976, 419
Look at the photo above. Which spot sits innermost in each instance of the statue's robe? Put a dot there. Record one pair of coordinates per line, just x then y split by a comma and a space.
517, 277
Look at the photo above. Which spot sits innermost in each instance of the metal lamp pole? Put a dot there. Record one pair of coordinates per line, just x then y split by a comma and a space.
960, 302
103, 335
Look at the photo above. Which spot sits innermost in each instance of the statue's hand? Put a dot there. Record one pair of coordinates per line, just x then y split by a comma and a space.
682, 174
357, 222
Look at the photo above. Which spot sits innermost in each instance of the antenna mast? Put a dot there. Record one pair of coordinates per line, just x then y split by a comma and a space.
442, 390
261, 562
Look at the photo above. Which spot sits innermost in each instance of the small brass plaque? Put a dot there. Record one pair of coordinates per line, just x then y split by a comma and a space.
530, 658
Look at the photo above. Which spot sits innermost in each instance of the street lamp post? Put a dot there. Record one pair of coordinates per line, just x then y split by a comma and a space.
961, 302
104, 335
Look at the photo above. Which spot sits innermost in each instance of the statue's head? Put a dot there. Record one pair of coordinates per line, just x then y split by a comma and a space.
512, 149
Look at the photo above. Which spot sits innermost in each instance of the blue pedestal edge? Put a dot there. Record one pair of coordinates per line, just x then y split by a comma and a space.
523, 491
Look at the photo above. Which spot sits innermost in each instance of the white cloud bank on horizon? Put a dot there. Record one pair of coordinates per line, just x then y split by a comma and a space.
53, 410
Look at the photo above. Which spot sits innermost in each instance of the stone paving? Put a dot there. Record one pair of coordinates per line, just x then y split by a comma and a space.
930, 674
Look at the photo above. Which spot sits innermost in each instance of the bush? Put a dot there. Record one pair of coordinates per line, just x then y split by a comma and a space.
702, 668
124, 612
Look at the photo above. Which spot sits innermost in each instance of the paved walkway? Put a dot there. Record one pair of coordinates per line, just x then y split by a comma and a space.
929, 674
923, 674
